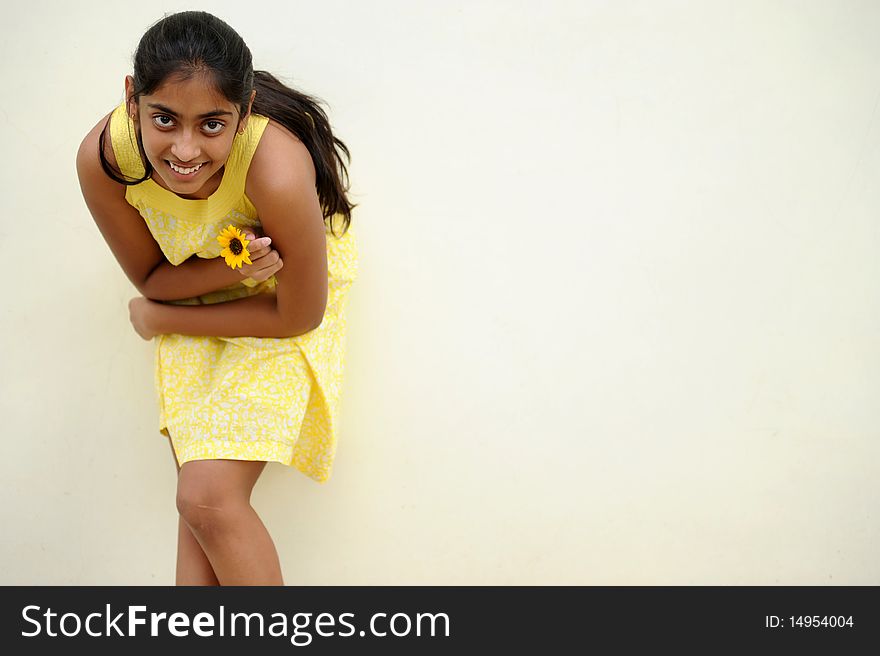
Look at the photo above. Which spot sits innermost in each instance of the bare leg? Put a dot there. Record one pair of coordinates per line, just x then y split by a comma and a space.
213, 497
193, 567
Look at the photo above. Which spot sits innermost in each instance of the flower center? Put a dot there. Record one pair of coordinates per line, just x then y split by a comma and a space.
235, 246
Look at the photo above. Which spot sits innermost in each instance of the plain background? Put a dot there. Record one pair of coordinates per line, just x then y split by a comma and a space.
618, 319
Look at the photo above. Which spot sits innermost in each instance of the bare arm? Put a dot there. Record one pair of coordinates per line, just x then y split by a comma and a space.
193, 277
130, 240
281, 184
168, 282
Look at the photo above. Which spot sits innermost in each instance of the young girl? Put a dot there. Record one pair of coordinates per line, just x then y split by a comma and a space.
207, 156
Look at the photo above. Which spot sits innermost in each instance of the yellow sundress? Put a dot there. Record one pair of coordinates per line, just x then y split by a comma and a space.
241, 398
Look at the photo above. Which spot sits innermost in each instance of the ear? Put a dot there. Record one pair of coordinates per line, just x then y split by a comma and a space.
130, 103
243, 121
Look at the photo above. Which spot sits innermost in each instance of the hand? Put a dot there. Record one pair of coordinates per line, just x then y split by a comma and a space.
139, 310
265, 261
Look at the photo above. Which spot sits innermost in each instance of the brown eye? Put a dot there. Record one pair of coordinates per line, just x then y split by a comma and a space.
214, 127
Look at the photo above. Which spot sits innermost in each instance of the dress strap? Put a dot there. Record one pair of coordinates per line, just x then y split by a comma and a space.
124, 141
243, 148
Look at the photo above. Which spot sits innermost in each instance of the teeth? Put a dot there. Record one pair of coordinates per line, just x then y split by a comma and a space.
174, 167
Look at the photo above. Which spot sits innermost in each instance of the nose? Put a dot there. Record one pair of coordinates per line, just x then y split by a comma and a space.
185, 148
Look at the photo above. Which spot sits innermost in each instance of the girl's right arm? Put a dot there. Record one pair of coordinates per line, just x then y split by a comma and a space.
130, 240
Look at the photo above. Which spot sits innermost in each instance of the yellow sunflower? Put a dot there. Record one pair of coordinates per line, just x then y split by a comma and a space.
234, 245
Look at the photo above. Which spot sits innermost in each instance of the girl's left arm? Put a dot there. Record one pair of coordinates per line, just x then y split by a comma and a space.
281, 185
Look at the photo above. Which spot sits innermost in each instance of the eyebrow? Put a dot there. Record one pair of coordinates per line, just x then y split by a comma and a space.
168, 110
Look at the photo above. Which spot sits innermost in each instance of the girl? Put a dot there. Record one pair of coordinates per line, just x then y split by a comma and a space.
206, 155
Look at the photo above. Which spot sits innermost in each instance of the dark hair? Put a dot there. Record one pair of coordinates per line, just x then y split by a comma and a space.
192, 42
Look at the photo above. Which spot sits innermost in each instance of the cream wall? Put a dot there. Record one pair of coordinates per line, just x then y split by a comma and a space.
618, 315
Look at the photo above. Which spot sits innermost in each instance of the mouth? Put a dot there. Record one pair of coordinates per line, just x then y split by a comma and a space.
184, 171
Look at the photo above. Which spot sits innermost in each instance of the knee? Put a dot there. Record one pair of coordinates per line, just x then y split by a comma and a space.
204, 511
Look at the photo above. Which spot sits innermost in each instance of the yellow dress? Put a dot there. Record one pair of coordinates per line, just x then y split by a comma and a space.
241, 398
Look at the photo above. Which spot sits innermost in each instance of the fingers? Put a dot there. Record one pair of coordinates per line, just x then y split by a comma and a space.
265, 267
263, 256
257, 247
265, 261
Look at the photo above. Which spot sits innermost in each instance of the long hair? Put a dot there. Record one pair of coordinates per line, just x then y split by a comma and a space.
192, 42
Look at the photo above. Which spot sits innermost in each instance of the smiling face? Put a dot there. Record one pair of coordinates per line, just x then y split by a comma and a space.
187, 128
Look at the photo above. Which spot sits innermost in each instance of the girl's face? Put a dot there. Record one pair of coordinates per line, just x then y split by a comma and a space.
187, 128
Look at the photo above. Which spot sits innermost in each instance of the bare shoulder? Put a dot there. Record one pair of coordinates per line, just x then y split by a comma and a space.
280, 159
